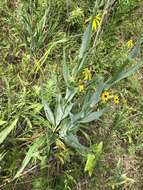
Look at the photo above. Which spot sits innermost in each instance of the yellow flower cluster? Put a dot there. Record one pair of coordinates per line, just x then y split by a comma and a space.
106, 96
86, 76
95, 23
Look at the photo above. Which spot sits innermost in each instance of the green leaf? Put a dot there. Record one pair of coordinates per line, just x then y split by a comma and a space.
136, 50
92, 158
2, 155
93, 116
70, 93
85, 40
67, 110
123, 74
65, 69
95, 98
119, 180
32, 150
49, 113
59, 109
2, 122
72, 140
90, 163
7, 130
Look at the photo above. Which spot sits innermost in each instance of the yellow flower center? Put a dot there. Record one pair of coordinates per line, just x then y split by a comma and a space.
116, 100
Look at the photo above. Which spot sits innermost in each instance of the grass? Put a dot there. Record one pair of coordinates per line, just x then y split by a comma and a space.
32, 40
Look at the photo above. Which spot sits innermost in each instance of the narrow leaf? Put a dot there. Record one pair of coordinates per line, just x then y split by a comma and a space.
95, 98
2, 122
85, 40
93, 116
49, 113
7, 130
67, 111
32, 150
123, 74
65, 69
59, 109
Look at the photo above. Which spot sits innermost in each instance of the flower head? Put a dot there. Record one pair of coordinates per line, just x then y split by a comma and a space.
130, 43
116, 99
105, 96
87, 74
96, 22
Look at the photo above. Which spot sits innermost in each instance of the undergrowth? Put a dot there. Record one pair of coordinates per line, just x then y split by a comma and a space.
34, 35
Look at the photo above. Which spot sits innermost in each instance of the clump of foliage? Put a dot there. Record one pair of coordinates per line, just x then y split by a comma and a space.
55, 108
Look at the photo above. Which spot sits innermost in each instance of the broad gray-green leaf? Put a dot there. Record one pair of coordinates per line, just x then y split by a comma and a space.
93, 116
95, 98
123, 74
49, 113
67, 110
32, 150
65, 69
59, 109
85, 40
70, 93
73, 142
7, 130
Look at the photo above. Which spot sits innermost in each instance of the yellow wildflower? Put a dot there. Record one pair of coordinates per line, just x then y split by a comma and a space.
81, 87
105, 96
130, 44
116, 99
95, 23
87, 74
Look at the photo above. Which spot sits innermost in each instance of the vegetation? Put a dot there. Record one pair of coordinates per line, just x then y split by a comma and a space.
71, 94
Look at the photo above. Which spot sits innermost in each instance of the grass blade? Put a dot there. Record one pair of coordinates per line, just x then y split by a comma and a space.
7, 130
32, 150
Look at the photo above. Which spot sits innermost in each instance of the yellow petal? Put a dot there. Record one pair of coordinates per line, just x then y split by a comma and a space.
94, 25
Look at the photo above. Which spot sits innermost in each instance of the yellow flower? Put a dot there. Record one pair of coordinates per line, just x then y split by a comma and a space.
116, 99
105, 96
130, 44
87, 74
96, 22
81, 86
